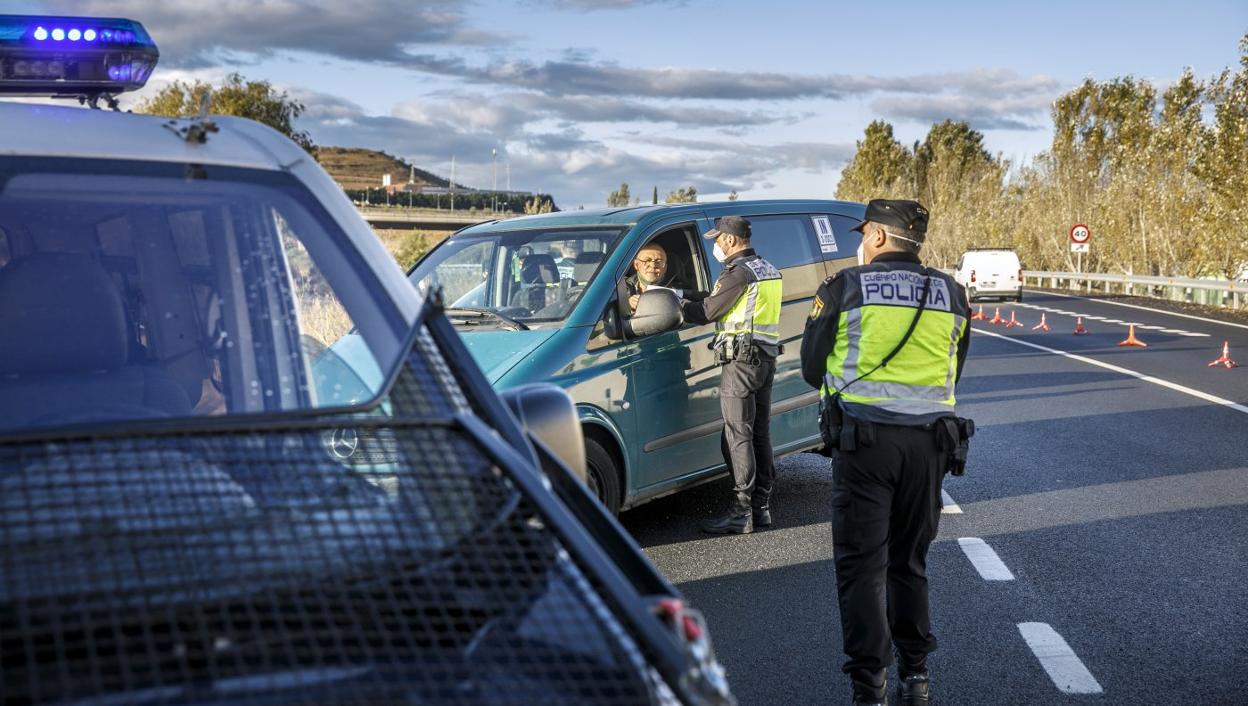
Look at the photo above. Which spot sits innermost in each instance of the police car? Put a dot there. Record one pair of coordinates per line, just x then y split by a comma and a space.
210, 493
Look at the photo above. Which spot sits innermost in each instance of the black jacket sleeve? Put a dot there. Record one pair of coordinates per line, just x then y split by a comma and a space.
821, 327
728, 289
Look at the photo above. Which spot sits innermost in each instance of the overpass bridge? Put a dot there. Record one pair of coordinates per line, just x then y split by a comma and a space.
427, 218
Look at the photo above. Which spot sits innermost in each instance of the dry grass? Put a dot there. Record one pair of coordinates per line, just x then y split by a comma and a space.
407, 246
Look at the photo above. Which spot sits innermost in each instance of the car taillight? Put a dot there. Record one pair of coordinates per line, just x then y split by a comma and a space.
972, 275
1020, 274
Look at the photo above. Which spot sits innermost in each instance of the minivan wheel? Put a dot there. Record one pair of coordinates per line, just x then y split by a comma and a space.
602, 476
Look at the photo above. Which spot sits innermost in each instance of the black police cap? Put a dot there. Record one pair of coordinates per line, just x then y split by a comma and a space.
909, 216
729, 225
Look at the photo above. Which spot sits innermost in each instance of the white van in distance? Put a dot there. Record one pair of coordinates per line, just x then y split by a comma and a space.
990, 273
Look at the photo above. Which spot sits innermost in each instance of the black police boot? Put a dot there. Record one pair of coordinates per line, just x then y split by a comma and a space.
915, 689
738, 520
870, 687
762, 516
732, 522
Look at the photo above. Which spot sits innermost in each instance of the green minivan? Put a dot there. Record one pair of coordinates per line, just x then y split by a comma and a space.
543, 299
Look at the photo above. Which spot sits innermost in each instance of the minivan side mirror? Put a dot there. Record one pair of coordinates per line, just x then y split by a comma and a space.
658, 310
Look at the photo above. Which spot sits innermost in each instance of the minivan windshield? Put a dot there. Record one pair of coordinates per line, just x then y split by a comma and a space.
133, 290
513, 278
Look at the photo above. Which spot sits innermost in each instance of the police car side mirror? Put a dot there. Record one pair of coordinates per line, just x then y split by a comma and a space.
658, 310
549, 415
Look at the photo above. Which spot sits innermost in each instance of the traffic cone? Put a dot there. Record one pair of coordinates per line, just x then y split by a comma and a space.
996, 318
1132, 340
1225, 358
1012, 323
1079, 329
1042, 326
979, 315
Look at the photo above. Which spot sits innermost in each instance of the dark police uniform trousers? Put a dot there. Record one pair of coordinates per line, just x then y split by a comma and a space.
745, 401
886, 505
886, 509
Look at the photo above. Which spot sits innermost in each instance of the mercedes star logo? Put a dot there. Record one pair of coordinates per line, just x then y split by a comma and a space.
344, 442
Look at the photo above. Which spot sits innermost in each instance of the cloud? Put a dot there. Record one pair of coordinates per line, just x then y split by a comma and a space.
509, 114
566, 162
981, 113
591, 5
565, 77
194, 33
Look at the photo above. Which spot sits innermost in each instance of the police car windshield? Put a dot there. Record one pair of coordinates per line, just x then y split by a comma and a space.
136, 291
525, 276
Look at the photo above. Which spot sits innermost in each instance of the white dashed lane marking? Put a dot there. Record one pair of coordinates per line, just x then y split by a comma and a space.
984, 559
1062, 664
947, 505
1119, 322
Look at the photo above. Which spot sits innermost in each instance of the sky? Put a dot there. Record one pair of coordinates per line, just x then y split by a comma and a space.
578, 96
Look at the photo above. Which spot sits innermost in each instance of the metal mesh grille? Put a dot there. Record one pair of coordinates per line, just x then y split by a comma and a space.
260, 566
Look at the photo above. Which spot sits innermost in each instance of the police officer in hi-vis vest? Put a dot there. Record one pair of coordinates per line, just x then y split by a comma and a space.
885, 343
745, 306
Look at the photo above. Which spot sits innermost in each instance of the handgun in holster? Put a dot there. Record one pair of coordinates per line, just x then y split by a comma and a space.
954, 437
840, 431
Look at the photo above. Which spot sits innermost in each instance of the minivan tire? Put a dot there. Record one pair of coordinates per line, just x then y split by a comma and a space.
602, 476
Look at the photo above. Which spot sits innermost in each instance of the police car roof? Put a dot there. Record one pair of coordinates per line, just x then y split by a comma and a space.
43, 130
637, 214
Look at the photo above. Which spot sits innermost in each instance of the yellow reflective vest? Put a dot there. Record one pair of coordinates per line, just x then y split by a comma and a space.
757, 310
878, 302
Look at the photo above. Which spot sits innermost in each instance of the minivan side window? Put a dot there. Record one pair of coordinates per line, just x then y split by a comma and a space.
784, 241
847, 239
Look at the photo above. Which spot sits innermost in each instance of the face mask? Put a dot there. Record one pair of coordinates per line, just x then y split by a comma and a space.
718, 253
862, 260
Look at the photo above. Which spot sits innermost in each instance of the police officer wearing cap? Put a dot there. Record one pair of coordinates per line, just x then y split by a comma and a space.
745, 306
885, 343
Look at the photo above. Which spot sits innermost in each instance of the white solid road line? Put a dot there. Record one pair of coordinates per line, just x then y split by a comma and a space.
1141, 376
947, 505
985, 560
1063, 666
1145, 308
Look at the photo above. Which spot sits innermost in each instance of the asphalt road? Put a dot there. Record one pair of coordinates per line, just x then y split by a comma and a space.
1116, 499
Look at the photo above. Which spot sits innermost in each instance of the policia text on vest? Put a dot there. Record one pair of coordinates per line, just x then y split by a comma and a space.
745, 306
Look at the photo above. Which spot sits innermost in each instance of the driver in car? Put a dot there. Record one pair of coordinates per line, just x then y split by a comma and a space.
650, 270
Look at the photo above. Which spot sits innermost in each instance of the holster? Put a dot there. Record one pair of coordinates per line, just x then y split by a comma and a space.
830, 421
953, 436
840, 431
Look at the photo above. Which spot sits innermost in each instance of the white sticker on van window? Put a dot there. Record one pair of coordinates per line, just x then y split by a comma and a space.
823, 229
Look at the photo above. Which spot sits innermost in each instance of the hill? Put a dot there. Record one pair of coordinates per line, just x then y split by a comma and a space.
356, 168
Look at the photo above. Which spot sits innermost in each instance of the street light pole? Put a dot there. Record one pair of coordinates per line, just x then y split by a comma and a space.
494, 188
452, 185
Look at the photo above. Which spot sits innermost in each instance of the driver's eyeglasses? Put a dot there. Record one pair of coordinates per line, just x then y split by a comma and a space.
651, 262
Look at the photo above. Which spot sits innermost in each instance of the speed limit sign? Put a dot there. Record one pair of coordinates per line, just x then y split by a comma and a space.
1080, 236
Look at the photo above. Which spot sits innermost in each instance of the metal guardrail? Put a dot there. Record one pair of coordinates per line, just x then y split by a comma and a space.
1196, 291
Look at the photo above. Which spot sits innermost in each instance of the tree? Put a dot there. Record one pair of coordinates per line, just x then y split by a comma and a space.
689, 194
732, 195
880, 167
1223, 169
655, 197
257, 100
538, 204
619, 197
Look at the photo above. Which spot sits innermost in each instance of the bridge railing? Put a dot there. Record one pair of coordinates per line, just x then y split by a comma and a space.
1196, 291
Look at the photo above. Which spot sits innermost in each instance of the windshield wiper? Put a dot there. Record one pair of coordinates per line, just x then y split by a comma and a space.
472, 315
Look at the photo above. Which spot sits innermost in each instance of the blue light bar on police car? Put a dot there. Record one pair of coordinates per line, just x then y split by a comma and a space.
73, 56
